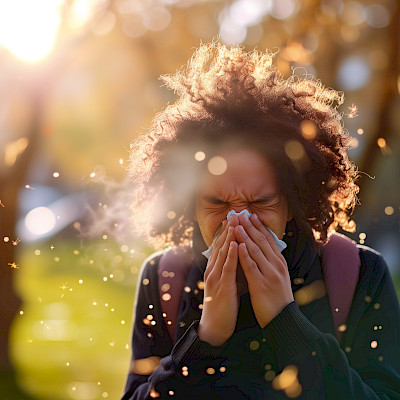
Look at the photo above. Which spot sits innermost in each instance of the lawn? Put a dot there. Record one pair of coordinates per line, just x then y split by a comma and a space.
71, 339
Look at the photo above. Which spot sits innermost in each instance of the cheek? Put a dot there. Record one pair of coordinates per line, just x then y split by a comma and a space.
273, 220
208, 227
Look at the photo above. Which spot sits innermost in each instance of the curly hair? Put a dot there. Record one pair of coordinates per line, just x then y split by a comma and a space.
226, 96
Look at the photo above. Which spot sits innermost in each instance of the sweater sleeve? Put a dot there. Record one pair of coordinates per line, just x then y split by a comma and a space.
367, 366
159, 369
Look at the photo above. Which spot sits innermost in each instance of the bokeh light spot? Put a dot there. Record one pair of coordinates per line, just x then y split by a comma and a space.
40, 220
308, 129
389, 210
294, 150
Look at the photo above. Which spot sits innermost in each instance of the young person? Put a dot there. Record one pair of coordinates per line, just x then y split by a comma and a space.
245, 163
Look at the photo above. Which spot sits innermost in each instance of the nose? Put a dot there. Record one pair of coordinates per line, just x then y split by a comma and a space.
238, 211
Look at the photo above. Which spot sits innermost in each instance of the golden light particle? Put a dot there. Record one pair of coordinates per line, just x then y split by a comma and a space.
171, 214
56, 174
67, 364
360, 131
200, 285
200, 306
267, 367
336, 309
166, 297
124, 248
210, 371
145, 281
362, 236
149, 317
298, 281
208, 299
200, 156
368, 299
269, 375
308, 129
374, 344
217, 165
222, 369
347, 349
375, 328
121, 161
185, 373
354, 143
165, 287
377, 306
104, 394
165, 274
153, 322
342, 328
56, 259
294, 390
154, 394
171, 392
146, 321
37, 252
75, 252
389, 210
380, 358
184, 368
123, 322
294, 150
286, 378
362, 241
171, 274
314, 353
6, 239
151, 306
381, 143
169, 322
164, 314
21, 313
187, 289
105, 279
254, 345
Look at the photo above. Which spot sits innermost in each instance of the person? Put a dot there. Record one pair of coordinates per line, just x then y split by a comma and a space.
240, 137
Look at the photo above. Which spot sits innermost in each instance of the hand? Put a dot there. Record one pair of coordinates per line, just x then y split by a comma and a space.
265, 269
220, 307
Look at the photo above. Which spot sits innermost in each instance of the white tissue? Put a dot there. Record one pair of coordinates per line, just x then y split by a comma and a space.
279, 243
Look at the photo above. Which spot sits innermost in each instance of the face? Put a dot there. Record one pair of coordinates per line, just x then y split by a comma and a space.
250, 182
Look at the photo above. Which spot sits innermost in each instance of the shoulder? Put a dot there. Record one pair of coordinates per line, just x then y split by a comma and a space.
373, 266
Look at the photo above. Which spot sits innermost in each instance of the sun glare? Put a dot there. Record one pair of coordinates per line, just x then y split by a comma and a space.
28, 28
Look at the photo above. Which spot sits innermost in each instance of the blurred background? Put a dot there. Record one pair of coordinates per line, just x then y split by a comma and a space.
78, 82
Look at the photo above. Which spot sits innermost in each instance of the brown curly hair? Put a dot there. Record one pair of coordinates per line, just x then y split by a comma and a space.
226, 96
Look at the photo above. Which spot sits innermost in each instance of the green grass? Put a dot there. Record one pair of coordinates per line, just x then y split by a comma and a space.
72, 340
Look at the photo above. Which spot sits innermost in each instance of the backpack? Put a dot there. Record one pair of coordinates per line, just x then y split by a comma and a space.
340, 269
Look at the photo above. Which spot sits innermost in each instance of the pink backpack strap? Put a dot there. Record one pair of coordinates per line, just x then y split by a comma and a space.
341, 269
172, 272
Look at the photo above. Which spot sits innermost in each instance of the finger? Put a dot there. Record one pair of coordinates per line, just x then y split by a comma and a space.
253, 249
263, 239
261, 227
249, 266
230, 265
218, 241
216, 269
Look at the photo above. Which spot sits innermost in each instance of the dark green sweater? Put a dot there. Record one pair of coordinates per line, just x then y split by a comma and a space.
366, 364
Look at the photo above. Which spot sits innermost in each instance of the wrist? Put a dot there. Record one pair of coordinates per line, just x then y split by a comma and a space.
205, 336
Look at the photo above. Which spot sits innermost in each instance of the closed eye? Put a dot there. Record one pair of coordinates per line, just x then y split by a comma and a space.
214, 200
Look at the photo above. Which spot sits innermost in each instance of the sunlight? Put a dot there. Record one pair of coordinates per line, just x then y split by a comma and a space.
28, 28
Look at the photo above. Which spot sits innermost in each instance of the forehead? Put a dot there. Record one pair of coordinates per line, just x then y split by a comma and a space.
247, 171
